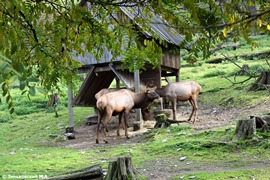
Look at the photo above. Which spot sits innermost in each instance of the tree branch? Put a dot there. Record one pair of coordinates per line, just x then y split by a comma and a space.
30, 25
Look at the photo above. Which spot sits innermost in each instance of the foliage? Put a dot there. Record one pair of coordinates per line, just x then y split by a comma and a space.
41, 39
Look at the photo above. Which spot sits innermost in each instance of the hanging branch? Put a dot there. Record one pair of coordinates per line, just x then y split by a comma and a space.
244, 70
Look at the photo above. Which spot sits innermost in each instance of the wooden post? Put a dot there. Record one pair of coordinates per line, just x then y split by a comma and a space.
117, 82
70, 108
137, 90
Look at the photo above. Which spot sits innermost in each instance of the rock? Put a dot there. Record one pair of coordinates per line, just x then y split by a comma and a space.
137, 125
183, 158
69, 135
165, 140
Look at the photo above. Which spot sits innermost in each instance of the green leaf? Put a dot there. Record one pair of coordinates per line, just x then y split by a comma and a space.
10, 105
32, 79
8, 98
22, 85
42, 90
11, 111
19, 67
14, 49
32, 91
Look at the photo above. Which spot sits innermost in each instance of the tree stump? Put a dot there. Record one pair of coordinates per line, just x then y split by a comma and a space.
121, 169
161, 116
262, 122
263, 82
69, 129
53, 102
161, 121
245, 129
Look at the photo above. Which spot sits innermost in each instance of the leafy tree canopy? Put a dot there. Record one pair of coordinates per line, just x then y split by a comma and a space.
38, 36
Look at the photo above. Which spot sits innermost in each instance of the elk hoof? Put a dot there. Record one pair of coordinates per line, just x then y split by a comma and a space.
97, 141
128, 137
106, 141
118, 134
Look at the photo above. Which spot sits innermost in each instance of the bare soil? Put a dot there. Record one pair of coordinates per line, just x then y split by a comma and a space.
161, 169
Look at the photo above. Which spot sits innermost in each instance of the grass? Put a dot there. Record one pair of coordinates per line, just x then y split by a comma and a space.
239, 174
27, 137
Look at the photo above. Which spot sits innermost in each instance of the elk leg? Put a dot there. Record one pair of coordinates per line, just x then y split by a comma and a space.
174, 108
119, 123
125, 121
106, 119
195, 109
98, 126
192, 104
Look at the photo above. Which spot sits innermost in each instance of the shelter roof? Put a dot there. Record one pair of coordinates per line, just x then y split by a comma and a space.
158, 25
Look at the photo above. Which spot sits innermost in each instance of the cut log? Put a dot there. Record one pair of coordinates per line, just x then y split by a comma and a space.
244, 56
121, 169
92, 172
245, 129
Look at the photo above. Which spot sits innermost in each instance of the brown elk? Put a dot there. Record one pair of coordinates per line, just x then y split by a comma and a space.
105, 91
122, 102
181, 91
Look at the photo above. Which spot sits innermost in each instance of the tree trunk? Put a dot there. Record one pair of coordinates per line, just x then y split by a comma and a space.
263, 82
92, 172
121, 169
245, 129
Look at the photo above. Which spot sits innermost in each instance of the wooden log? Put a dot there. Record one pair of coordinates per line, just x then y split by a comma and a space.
121, 169
251, 55
92, 172
245, 129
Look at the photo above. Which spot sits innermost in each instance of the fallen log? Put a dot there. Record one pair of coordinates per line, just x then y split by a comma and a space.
251, 56
93, 172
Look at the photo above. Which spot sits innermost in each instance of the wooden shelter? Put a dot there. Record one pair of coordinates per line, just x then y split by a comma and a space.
102, 72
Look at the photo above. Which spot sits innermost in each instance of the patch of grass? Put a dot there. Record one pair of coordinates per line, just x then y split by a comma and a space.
26, 144
262, 173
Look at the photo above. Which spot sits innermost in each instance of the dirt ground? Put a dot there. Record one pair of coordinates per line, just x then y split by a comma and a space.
208, 118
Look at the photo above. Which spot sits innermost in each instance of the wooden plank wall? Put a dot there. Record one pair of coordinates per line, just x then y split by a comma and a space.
170, 60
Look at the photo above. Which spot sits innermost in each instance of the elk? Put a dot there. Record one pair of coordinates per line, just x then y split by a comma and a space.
105, 91
181, 91
122, 102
